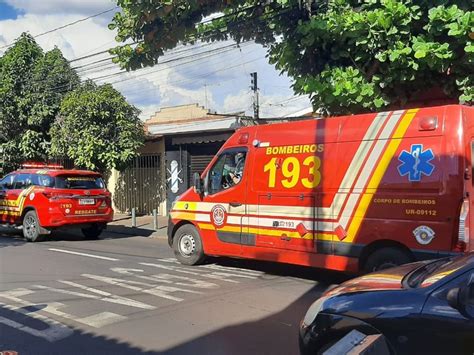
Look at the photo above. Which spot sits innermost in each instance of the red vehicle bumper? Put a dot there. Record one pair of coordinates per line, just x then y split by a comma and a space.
54, 218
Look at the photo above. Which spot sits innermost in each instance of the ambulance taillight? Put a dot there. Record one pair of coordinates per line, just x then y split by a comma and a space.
463, 235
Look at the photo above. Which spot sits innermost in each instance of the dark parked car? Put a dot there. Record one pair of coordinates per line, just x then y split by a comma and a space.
420, 308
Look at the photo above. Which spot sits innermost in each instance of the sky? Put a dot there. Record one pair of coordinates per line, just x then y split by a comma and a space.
216, 79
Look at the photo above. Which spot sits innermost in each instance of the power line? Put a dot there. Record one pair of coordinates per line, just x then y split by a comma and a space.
218, 50
67, 25
197, 77
293, 98
101, 64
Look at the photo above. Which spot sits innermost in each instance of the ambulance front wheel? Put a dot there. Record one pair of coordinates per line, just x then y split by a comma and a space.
187, 245
385, 258
31, 227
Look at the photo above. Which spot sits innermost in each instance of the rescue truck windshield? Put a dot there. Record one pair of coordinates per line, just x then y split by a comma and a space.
227, 171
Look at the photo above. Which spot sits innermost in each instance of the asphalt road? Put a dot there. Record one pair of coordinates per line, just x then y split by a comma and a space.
126, 294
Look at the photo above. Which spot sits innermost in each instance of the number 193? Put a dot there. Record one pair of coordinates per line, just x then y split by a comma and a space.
291, 171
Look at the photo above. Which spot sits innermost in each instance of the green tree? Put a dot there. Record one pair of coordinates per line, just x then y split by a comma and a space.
32, 85
348, 55
97, 128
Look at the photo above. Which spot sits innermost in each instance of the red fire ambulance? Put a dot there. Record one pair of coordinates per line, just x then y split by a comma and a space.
41, 198
350, 193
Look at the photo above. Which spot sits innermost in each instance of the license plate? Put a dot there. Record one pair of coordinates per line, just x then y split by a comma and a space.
86, 201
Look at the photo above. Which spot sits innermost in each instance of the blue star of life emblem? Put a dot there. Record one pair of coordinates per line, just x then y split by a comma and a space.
416, 162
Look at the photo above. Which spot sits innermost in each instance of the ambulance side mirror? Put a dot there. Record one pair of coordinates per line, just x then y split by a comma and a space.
197, 183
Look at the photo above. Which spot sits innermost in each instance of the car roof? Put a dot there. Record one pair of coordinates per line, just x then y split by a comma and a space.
57, 172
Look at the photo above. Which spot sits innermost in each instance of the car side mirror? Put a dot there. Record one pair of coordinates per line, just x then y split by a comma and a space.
458, 298
197, 183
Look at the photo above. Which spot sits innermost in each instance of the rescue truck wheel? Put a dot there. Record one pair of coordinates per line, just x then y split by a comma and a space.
92, 232
385, 258
187, 245
31, 227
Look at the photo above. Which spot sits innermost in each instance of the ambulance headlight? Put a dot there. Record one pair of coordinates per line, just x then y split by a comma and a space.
313, 311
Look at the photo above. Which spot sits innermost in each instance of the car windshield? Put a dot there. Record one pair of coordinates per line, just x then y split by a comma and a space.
79, 182
432, 272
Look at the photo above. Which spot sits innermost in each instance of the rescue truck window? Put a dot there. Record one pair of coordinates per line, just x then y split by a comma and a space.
227, 171
7, 182
22, 181
43, 180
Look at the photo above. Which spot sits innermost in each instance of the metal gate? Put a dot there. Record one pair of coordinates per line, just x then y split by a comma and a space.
198, 164
140, 185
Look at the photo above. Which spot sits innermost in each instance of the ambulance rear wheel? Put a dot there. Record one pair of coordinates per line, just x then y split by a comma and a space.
385, 258
31, 227
187, 245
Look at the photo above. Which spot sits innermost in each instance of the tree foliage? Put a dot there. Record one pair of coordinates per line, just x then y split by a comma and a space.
32, 85
97, 128
348, 55
45, 111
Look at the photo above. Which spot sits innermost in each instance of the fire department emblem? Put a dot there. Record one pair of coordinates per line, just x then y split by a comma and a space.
416, 162
218, 215
424, 235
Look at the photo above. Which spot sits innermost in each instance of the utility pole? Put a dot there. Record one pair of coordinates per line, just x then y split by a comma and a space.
205, 93
254, 87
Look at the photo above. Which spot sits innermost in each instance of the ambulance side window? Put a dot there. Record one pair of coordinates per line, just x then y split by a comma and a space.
227, 171
22, 181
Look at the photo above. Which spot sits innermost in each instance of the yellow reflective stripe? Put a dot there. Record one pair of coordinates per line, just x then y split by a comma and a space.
325, 236
184, 205
17, 205
378, 175
259, 231
206, 226
190, 216
24, 195
10, 213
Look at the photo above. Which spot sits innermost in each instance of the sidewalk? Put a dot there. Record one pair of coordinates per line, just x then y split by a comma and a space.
122, 224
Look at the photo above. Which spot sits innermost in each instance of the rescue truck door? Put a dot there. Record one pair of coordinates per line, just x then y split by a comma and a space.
15, 196
286, 221
227, 196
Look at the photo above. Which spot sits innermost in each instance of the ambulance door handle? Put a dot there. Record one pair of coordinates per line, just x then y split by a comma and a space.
235, 204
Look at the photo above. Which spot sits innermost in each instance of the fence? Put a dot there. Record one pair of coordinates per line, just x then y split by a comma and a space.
140, 185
